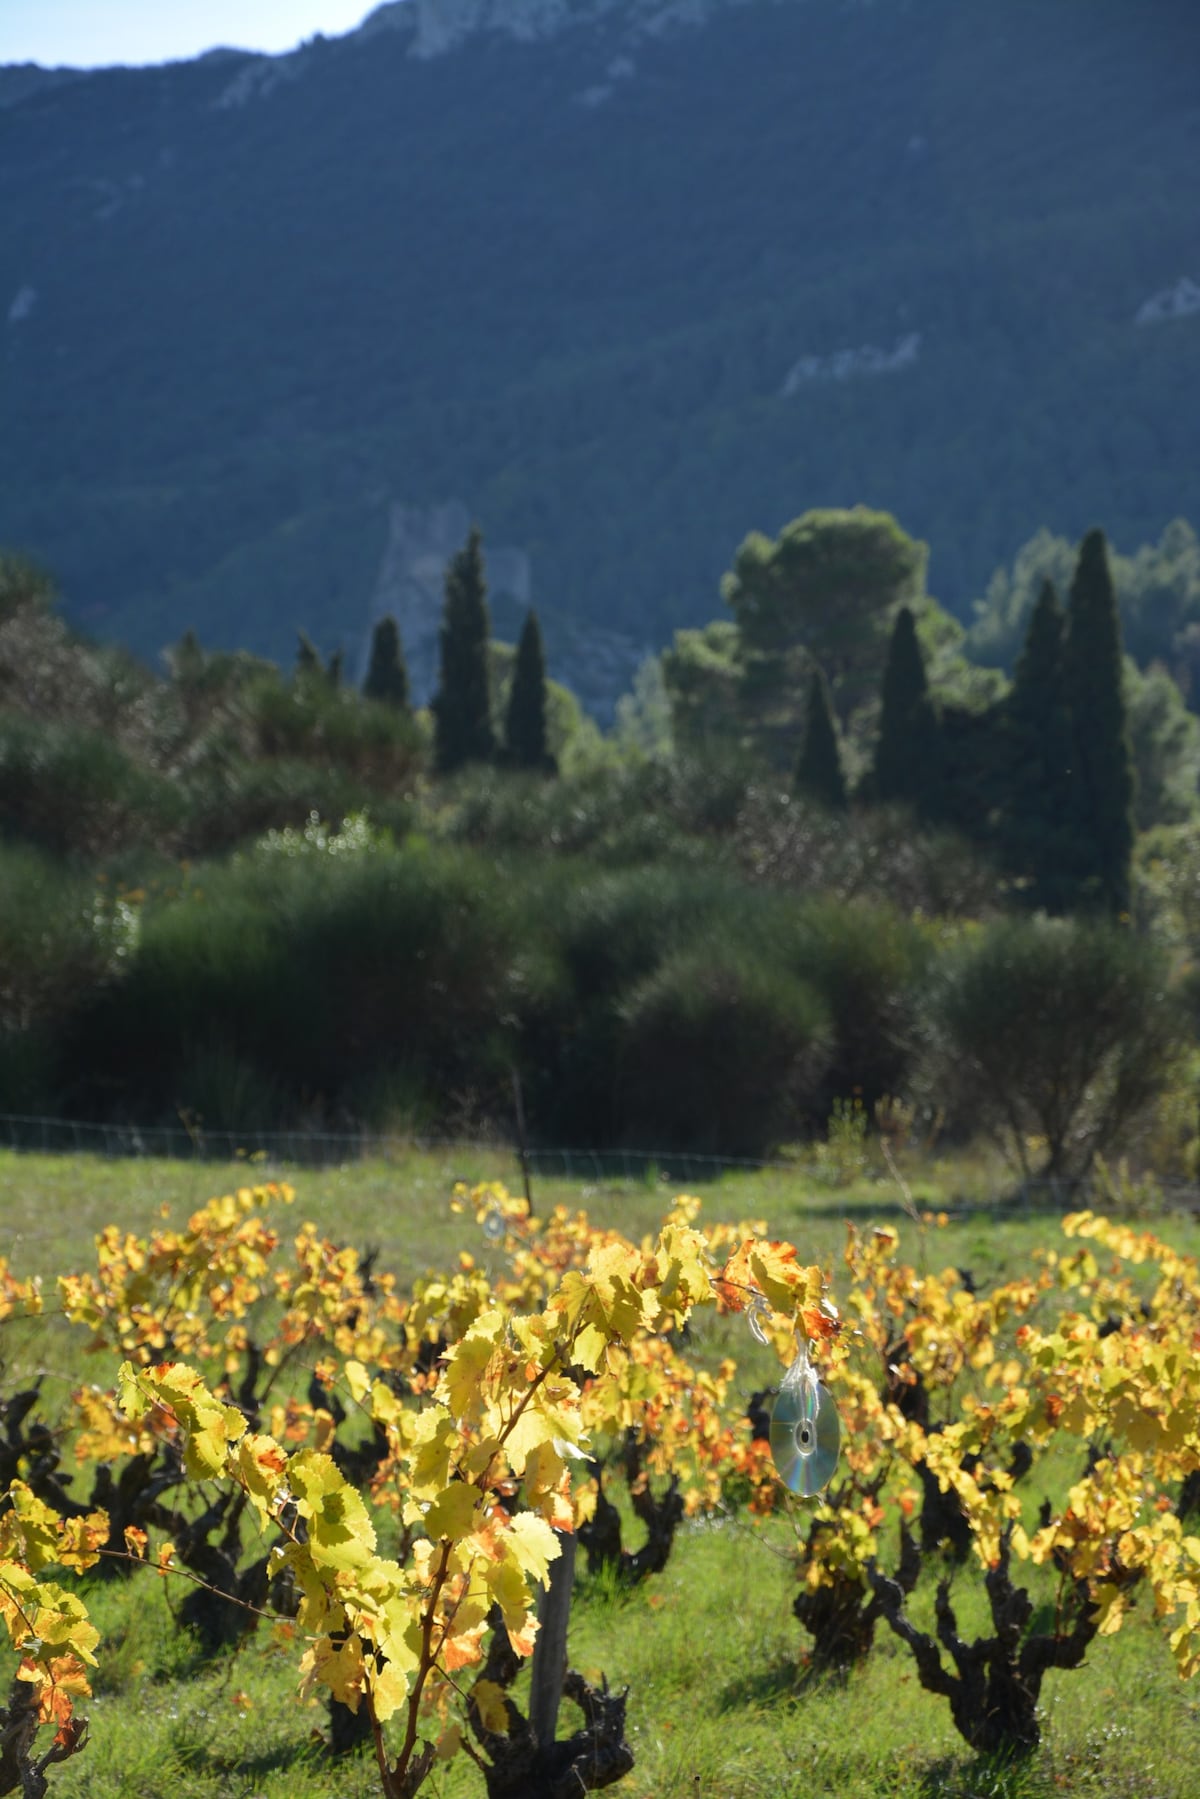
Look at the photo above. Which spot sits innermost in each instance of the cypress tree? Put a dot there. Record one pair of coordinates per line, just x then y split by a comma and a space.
1103, 806
461, 707
387, 675
525, 722
907, 753
308, 662
1039, 835
818, 768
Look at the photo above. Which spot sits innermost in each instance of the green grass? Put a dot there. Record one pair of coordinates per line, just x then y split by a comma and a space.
719, 1705
52, 1206
711, 1654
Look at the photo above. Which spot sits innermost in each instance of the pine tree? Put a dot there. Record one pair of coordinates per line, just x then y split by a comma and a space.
1039, 833
907, 755
461, 707
1103, 801
387, 675
525, 722
818, 768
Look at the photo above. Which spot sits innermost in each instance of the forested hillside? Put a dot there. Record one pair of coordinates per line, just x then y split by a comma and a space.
619, 293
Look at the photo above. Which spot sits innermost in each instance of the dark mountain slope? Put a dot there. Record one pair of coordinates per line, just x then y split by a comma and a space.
566, 282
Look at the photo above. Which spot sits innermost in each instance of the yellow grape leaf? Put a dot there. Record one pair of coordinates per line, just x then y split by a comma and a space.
612, 1271
208, 1425
385, 1405
336, 1666
340, 1534
507, 1586
433, 1438
204, 1456
358, 1381
262, 1466
389, 1689
589, 1347
397, 1635
38, 1526
136, 1541
534, 1545
103, 1435
452, 1513
1110, 1608
492, 1706
539, 1423
462, 1377
682, 1260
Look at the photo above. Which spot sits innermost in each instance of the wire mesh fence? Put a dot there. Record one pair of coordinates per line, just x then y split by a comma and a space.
323, 1148
309, 1148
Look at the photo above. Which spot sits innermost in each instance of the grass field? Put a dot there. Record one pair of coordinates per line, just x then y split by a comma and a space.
719, 1705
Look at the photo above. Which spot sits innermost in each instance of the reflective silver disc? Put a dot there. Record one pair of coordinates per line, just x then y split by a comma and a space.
805, 1430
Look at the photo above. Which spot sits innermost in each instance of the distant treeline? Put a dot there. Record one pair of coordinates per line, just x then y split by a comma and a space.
817, 863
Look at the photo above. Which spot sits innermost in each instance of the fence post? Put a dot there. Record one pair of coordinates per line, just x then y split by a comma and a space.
550, 1651
522, 1140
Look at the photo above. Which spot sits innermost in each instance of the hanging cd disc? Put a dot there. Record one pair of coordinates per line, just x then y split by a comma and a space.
805, 1430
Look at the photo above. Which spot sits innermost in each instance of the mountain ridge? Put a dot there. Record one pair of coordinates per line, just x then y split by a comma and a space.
622, 304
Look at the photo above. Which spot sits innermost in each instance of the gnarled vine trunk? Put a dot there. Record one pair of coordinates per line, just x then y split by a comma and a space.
994, 1683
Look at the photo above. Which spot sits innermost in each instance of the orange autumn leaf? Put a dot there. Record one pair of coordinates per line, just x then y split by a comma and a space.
524, 1639
55, 1681
464, 1650
769, 1268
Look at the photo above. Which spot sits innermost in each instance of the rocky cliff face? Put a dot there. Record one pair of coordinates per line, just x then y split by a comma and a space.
437, 26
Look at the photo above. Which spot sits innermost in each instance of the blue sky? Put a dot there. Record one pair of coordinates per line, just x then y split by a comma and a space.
88, 33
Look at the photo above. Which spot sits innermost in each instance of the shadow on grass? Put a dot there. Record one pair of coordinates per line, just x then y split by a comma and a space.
776, 1681
225, 1759
985, 1777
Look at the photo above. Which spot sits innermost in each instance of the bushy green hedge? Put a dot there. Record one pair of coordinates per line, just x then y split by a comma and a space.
312, 975
339, 977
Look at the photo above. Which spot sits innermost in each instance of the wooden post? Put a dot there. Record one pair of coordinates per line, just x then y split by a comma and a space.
522, 1144
550, 1651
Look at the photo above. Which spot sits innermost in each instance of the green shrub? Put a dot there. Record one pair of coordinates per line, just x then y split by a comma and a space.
310, 720
1052, 1036
230, 802
876, 853
866, 961
63, 938
719, 1053
619, 812
319, 973
75, 791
